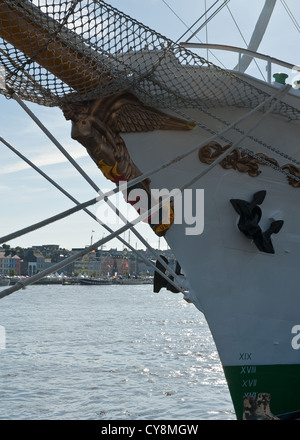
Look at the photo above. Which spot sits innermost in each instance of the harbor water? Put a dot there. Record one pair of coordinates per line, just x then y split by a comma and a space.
71, 352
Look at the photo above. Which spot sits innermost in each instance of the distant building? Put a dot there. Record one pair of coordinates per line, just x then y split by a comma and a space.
34, 262
47, 248
89, 264
9, 265
100, 262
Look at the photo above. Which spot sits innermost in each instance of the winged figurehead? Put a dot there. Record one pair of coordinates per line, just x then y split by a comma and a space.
98, 125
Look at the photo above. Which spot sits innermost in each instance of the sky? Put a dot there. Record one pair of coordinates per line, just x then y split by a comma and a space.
27, 198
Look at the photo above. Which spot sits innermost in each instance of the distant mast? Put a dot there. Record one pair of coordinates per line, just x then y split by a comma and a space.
257, 35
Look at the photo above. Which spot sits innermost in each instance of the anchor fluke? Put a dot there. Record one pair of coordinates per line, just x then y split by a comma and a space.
159, 281
250, 214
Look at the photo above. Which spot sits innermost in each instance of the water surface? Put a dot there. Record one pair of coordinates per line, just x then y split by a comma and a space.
110, 353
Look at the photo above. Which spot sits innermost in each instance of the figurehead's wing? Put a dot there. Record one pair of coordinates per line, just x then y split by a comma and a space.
125, 113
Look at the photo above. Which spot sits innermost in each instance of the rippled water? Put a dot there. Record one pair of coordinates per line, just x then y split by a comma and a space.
110, 353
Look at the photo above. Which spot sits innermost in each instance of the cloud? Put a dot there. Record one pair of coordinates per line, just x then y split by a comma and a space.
41, 160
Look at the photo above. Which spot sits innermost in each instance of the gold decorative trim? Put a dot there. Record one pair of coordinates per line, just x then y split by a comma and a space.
292, 169
243, 162
98, 126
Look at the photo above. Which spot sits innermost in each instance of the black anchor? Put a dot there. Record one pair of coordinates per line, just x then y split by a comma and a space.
160, 281
250, 215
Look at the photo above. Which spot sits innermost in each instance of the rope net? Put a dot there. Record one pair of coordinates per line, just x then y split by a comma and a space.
63, 51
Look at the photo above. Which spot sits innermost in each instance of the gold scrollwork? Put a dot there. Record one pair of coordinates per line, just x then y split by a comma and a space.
243, 162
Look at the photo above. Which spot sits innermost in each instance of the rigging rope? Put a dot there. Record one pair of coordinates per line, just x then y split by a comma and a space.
90, 181
129, 225
70, 158
189, 28
209, 113
23, 283
277, 95
236, 144
47, 221
117, 53
208, 19
197, 21
124, 68
148, 262
292, 17
244, 39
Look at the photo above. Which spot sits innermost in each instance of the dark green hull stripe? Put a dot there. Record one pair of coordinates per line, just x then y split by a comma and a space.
281, 382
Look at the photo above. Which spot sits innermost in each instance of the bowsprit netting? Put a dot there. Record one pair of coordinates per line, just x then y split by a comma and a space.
62, 51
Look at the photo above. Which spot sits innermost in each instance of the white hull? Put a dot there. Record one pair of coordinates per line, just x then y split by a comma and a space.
229, 279
249, 298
